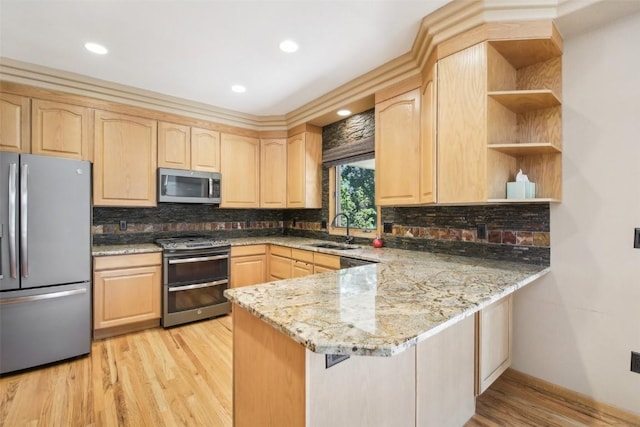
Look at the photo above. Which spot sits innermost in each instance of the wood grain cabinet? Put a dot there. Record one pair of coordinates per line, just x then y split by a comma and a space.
240, 169
273, 173
302, 263
127, 293
304, 169
280, 264
14, 123
61, 130
190, 148
248, 265
493, 342
323, 263
397, 140
205, 150
125, 160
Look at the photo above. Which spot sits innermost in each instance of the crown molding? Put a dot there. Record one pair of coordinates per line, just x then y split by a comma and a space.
441, 25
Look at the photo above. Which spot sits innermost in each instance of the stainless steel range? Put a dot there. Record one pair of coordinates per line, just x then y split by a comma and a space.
195, 276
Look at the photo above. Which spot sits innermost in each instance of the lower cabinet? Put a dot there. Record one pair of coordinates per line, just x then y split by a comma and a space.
127, 293
248, 265
301, 263
323, 263
493, 342
280, 263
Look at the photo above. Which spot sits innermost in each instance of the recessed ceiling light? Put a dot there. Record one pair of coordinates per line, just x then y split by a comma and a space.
96, 48
344, 112
288, 46
238, 89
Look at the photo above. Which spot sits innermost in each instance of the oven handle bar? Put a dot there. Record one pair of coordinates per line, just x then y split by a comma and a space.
198, 286
197, 259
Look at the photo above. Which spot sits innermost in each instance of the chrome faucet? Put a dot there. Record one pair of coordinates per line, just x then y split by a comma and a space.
349, 239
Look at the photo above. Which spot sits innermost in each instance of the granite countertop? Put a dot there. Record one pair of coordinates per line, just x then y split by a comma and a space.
379, 309
135, 248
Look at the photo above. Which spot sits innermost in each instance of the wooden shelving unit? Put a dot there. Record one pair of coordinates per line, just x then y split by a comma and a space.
524, 98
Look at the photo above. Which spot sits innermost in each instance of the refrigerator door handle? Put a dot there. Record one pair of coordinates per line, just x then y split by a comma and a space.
13, 188
21, 300
24, 205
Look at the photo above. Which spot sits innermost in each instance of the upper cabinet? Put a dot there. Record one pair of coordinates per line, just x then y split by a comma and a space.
125, 160
304, 169
61, 130
273, 173
14, 123
240, 169
191, 148
397, 136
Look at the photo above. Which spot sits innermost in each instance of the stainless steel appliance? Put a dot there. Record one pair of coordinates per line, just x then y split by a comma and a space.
195, 276
183, 186
45, 260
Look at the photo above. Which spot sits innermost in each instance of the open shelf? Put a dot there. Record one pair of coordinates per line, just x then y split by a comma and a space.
522, 101
525, 149
525, 52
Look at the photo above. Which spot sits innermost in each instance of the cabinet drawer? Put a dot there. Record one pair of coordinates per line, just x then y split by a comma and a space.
281, 251
302, 255
279, 267
126, 261
326, 260
248, 250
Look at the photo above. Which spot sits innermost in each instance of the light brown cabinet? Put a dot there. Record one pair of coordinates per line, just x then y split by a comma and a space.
248, 265
323, 263
273, 173
174, 146
428, 126
493, 342
205, 150
304, 170
280, 264
125, 160
61, 130
14, 123
302, 263
126, 293
240, 169
397, 140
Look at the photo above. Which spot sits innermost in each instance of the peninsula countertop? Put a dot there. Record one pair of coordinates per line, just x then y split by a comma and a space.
379, 309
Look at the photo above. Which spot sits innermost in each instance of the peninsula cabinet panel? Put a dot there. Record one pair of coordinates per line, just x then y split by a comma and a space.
125, 164
494, 342
60, 130
462, 127
273, 171
240, 169
397, 139
14, 123
304, 170
174, 146
205, 150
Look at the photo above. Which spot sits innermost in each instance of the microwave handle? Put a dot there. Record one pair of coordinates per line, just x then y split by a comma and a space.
211, 188
165, 184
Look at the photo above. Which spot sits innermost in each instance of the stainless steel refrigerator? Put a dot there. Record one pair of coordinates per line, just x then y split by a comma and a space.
45, 260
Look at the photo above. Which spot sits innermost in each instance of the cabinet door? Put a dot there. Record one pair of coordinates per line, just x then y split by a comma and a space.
60, 130
125, 160
462, 126
279, 267
14, 123
301, 268
398, 150
494, 332
240, 169
248, 270
127, 295
304, 170
428, 117
273, 173
174, 146
205, 150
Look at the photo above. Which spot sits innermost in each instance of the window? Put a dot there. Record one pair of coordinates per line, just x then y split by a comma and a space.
354, 189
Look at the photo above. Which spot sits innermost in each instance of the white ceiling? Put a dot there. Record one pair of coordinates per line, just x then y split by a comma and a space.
197, 49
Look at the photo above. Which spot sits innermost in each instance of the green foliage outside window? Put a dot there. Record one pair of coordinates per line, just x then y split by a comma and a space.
357, 196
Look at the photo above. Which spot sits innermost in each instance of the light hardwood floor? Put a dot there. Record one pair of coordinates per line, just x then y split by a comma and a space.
182, 377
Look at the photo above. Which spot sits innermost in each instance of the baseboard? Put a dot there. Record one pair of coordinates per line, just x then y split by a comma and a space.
99, 334
572, 396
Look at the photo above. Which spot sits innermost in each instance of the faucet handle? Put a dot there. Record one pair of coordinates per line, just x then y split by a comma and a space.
348, 239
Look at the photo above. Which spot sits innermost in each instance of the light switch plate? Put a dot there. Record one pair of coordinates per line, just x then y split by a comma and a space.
636, 238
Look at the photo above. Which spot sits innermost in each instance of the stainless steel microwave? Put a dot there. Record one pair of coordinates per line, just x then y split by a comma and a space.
184, 186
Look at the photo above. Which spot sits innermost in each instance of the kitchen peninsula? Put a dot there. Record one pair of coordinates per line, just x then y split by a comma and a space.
411, 324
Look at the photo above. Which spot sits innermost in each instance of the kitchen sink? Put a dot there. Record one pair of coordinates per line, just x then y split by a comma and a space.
336, 246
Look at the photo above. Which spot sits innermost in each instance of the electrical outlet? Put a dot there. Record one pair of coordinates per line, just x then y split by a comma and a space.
293, 223
123, 225
636, 238
387, 227
635, 362
481, 231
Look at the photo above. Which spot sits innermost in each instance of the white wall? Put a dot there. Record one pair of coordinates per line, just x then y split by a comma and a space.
577, 326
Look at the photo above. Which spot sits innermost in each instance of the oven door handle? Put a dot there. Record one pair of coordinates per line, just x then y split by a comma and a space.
197, 259
198, 286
